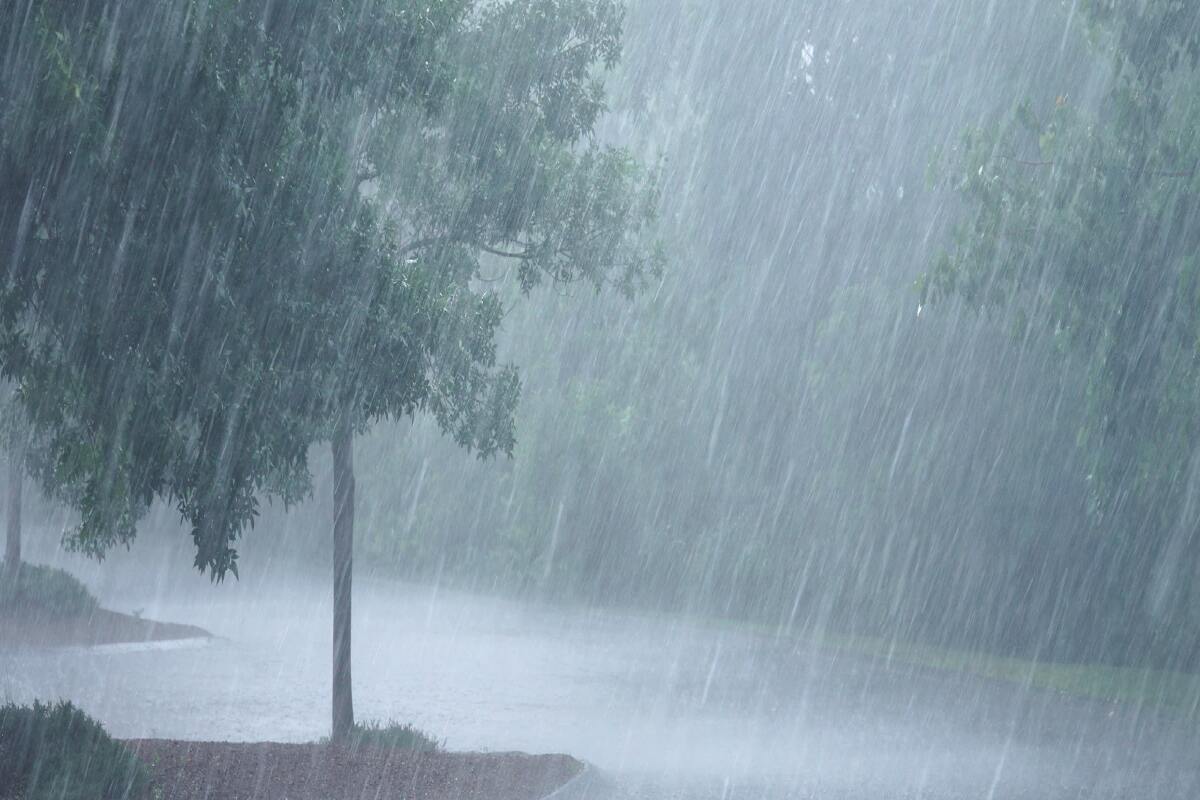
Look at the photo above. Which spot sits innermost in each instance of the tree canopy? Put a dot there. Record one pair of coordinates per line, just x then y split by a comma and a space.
234, 226
1085, 216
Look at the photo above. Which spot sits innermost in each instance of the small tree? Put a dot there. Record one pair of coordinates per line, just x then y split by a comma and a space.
286, 210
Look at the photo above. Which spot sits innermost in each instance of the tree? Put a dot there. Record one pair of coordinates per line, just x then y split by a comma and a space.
1087, 219
16, 479
24, 455
240, 228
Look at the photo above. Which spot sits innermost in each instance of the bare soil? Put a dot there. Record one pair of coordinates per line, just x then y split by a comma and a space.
272, 771
93, 628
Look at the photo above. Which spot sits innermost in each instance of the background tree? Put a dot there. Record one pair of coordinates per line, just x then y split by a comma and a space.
775, 432
1086, 217
241, 228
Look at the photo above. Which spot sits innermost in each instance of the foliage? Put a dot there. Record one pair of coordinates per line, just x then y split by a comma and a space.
289, 207
775, 431
781, 430
56, 752
45, 590
391, 736
1087, 220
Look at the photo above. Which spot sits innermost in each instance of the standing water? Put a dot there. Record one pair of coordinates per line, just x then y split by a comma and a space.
661, 707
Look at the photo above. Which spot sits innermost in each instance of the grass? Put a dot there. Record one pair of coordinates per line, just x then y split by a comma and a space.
56, 752
1179, 691
391, 736
1172, 690
51, 591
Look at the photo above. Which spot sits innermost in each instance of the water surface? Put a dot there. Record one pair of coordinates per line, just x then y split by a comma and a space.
664, 707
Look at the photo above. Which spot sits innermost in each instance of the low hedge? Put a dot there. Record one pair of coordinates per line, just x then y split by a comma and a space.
390, 736
51, 591
57, 752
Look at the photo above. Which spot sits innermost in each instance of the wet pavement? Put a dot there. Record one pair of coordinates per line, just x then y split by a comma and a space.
662, 708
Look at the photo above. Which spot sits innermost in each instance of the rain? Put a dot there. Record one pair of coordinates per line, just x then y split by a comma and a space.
632, 399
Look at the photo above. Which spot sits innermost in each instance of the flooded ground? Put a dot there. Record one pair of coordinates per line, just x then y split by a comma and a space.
661, 707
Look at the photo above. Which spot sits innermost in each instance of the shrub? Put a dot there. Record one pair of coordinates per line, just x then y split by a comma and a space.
51, 591
56, 752
391, 736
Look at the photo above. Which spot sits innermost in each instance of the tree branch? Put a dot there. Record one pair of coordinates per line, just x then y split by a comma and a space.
524, 255
1186, 173
1025, 163
430, 241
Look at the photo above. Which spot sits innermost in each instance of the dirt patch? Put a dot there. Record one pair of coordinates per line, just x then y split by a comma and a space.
99, 626
270, 771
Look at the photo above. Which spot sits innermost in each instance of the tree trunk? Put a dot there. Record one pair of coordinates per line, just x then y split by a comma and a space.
16, 476
343, 571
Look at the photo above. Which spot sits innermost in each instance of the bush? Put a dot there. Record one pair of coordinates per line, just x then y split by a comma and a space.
391, 736
51, 591
56, 752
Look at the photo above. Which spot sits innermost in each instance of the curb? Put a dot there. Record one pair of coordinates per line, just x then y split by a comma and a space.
588, 784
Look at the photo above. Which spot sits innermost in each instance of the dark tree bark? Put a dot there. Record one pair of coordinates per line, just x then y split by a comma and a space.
343, 571
16, 478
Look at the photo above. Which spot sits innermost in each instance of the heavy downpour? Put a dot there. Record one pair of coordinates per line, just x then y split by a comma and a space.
587, 399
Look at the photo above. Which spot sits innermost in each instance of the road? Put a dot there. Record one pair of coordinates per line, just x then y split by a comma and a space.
661, 707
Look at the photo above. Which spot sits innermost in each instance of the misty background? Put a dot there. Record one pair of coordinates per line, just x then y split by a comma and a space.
781, 430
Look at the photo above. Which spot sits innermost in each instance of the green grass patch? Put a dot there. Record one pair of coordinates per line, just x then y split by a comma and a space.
391, 736
56, 752
1152, 687
1178, 692
50, 591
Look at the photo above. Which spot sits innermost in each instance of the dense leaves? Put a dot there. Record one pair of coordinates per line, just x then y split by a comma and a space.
234, 226
1086, 217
